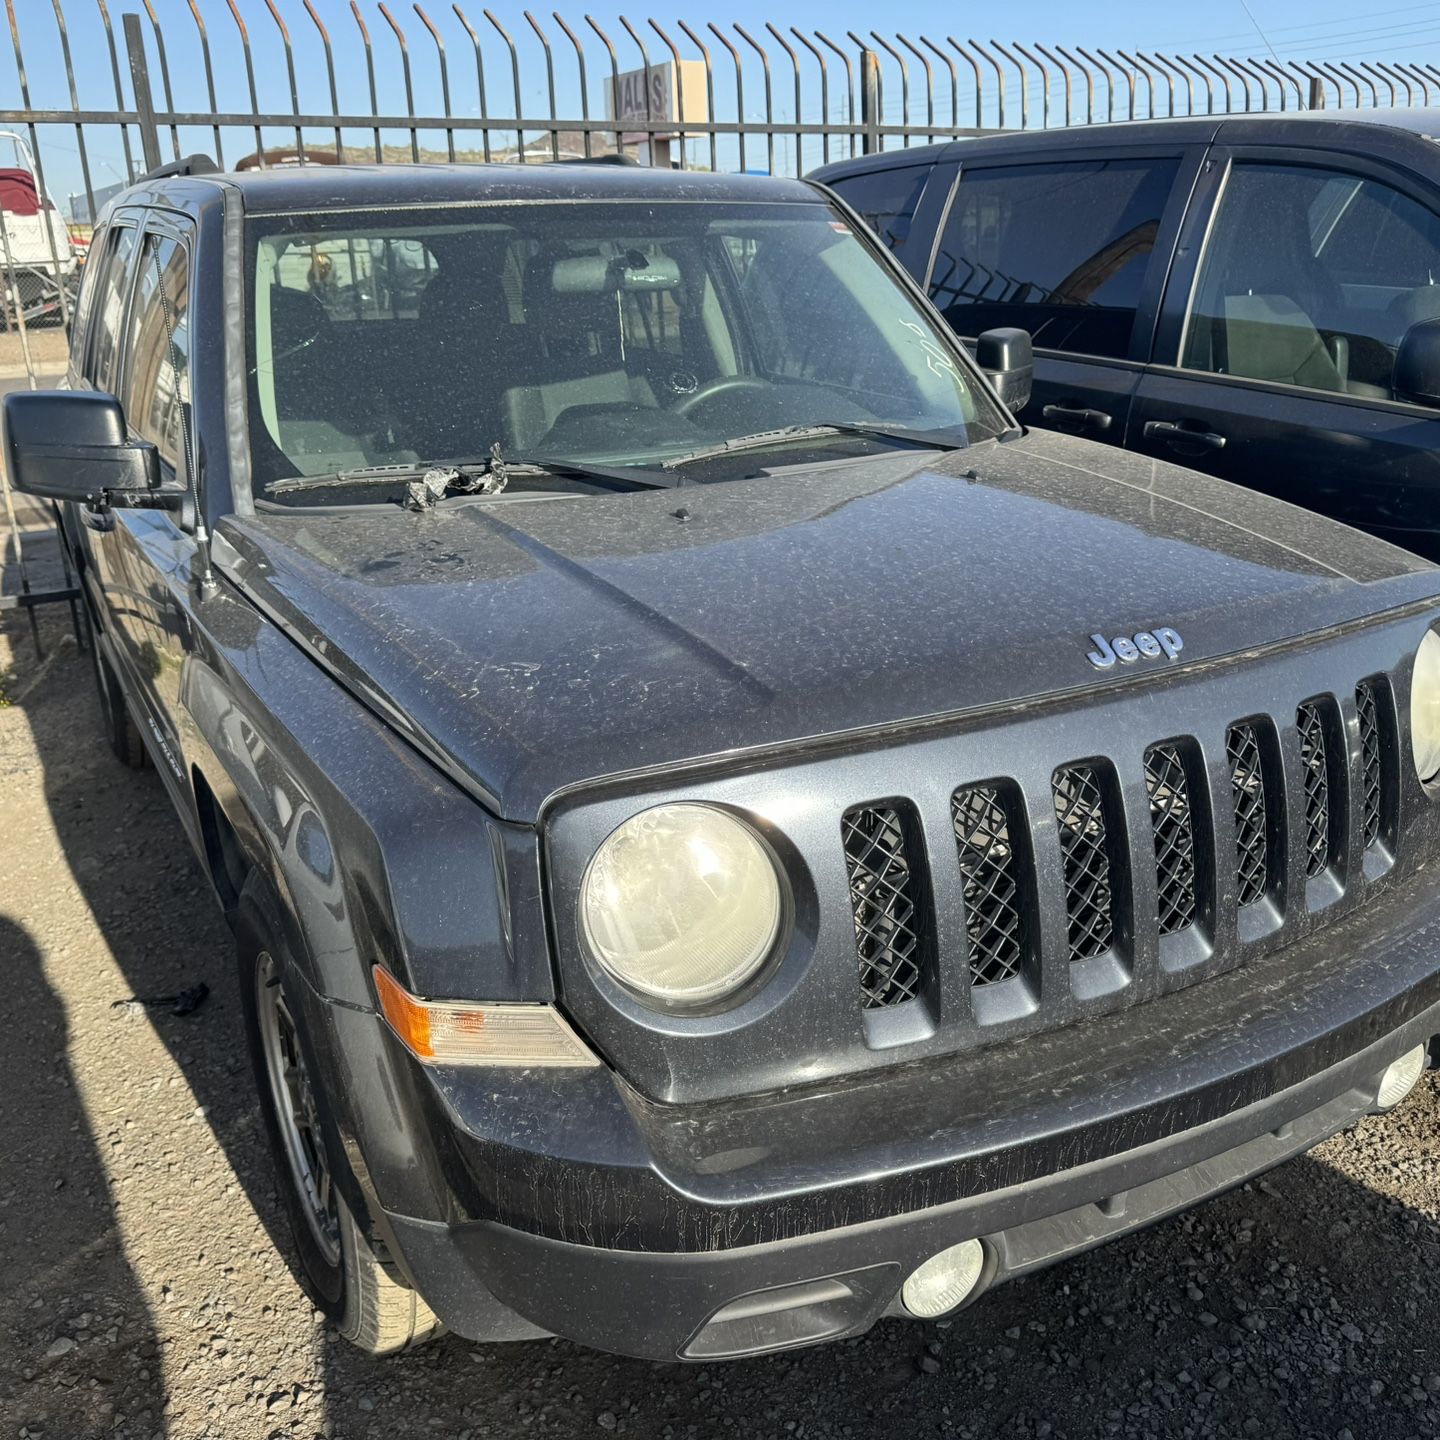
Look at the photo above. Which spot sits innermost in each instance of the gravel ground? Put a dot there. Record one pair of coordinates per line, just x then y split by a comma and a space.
146, 1292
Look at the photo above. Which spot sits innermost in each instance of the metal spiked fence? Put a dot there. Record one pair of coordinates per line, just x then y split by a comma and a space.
268, 82
784, 100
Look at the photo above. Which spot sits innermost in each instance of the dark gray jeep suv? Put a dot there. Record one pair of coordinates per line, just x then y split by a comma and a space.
728, 836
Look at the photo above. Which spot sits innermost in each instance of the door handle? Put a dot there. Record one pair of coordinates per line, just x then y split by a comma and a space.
1083, 418
1178, 436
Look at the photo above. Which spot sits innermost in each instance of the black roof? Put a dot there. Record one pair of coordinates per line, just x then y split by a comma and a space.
1416, 120
320, 187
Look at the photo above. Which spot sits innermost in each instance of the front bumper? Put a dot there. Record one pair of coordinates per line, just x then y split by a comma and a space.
566, 1203
760, 1298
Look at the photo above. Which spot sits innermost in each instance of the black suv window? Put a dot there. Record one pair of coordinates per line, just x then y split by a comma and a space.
1311, 277
886, 199
85, 301
108, 308
157, 381
1060, 250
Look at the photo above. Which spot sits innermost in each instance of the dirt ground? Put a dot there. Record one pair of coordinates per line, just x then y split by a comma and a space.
48, 349
144, 1290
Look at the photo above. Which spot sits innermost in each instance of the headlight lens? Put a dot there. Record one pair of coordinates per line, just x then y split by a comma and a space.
682, 904
1425, 707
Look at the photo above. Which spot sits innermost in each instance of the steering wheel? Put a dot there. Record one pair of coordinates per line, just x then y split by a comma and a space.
722, 385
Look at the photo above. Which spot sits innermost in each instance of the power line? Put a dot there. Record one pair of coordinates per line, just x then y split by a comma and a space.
1392, 34
1307, 27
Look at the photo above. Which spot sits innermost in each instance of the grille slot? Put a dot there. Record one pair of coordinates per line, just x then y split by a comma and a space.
1085, 850
1173, 824
987, 818
1372, 771
1315, 769
885, 898
1247, 790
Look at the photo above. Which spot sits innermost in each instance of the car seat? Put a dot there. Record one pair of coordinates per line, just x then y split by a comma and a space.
578, 346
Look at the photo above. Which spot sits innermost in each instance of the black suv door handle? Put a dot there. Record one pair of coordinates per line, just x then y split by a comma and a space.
1085, 419
1178, 436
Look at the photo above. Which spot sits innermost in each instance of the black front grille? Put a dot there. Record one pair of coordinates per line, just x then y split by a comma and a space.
1285, 795
995, 923
1085, 849
1174, 828
1315, 769
1247, 790
1372, 773
885, 898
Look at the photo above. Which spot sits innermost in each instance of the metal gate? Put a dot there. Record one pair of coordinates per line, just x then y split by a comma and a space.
255, 88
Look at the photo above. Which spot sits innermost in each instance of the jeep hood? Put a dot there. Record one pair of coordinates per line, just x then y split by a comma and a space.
537, 644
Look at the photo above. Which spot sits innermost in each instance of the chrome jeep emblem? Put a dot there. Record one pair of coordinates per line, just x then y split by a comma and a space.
1127, 650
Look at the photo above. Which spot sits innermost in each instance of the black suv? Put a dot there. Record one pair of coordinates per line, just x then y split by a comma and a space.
1256, 295
728, 837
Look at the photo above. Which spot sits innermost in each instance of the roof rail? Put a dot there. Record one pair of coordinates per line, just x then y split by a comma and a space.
612, 159
190, 165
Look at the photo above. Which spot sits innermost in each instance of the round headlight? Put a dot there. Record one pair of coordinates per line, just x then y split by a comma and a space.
1425, 707
682, 904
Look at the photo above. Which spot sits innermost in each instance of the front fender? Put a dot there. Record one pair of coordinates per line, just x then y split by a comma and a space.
371, 852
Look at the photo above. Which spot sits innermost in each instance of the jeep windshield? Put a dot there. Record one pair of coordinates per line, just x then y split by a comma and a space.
703, 340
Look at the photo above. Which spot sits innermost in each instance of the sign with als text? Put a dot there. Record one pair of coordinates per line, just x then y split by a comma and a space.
658, 93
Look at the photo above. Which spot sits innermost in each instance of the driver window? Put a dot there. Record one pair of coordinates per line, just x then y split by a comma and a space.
157, 378
1311, 277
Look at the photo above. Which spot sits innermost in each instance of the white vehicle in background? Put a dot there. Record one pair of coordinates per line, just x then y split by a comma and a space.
39, 259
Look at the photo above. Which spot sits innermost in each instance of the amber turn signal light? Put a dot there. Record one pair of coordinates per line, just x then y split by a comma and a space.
454, 1032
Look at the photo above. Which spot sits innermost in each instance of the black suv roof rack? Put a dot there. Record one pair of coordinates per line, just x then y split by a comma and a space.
190, 165
597, 160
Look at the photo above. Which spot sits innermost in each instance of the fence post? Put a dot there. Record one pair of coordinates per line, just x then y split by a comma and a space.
144, 100
870, 116
1317, 93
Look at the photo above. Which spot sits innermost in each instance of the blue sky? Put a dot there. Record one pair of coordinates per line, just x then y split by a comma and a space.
1317, 29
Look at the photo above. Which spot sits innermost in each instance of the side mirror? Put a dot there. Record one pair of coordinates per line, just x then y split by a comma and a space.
1417, 365
71, 445
1008, 360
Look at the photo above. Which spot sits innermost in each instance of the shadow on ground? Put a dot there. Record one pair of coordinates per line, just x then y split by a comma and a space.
77, 1343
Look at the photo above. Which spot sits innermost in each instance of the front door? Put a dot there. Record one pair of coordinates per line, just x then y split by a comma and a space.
1074, 251
1304, 277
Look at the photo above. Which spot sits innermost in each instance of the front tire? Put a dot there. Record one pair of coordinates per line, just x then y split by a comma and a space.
362, 1295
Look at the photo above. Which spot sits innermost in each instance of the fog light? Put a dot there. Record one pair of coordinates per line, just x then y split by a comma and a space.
1400, 1078
944, 1280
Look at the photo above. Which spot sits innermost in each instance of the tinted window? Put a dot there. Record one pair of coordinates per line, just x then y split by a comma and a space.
1311, 277
157, 380
109, 305
1060, 250
85, 301
886, 198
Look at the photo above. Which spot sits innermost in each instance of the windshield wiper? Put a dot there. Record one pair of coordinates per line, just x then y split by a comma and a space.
469, 477
785, 435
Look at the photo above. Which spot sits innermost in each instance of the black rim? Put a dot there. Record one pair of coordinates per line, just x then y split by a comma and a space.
294, 1099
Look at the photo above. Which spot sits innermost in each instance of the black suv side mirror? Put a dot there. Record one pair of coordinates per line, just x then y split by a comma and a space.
71, 445
1417, 365
1008, 360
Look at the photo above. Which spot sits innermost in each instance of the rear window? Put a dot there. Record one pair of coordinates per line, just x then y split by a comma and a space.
1059, 250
